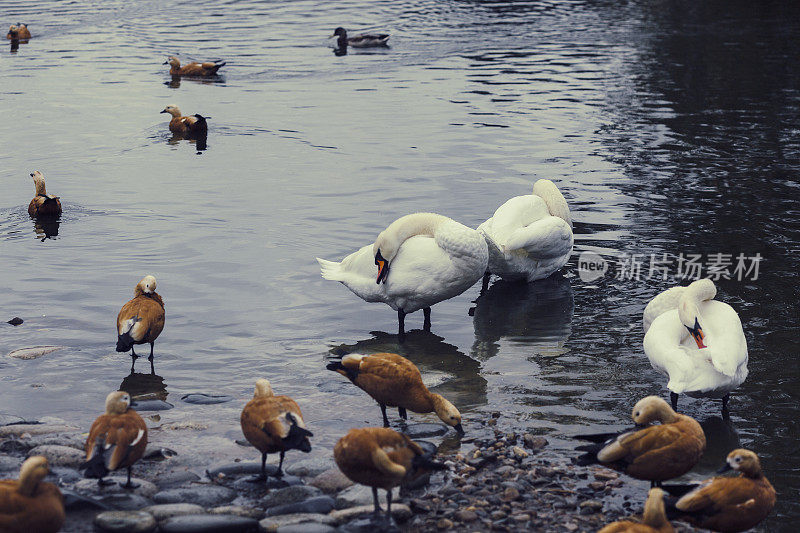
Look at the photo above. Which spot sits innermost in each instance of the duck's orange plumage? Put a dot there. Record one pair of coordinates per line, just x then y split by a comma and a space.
190, 126
204, 69
29, 504
43, 204
117, 439
273, 424
394, 381
654, 519
141, 319
18, 32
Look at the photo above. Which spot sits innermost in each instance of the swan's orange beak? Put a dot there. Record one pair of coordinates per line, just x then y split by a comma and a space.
383, 267
697, 334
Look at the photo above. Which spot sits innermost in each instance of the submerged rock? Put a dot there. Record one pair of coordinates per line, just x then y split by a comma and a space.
205, 495
125, 522
73, 500
124, 501
34, 352
175, 479
209, 523
199, 398
16, 321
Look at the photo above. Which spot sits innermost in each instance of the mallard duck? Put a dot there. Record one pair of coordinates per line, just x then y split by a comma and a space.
28, 504
696, 341
362, 40
422, 259
43, 204
654, 518
381, 458
273, 424
117, 439
726, 504
205, 69
655, 453
18, 32
191, 126
141, 319
394, 381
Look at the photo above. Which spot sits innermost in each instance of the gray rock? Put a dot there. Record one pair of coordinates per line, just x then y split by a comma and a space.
310, 527
245, 484
9, 463
271, 524
151, 405
199, 398
209, 523
73, 440
400, 512
168, 510
309, 467
358, 495
318, 504
59, 455
35, 429
91, 488
238, 510
293, 494
176, 479
34, 352
422, 430
125, 522
65, 475
235, 470
331, 481
124, 502
205, 495
73, 500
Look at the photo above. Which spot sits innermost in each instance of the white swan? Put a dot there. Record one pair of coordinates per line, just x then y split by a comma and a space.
696, 341
530, 236
421, 259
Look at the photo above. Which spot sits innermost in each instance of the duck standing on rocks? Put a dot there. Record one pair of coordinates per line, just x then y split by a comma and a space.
18, 32
655, 453
192, 126
362, 40
30, 505
205, 69
422, 259
394, 381
43, 204
141, 320
116, 440
726, 503
654, 518
381, 458
273, 424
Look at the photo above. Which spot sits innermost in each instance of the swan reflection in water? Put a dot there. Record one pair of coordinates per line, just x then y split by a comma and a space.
535, 313
721, 438
445, 369
46, 227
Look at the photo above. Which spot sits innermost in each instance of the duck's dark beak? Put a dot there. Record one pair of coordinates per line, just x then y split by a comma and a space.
383, 268
724, 469
164, 111
459, 429
165, 63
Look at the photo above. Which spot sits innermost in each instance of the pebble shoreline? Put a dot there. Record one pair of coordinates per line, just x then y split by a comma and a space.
499, 480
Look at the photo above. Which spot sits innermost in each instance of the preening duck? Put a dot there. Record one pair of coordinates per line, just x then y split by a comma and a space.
696, 341
273, 424
141, 320
654, 519
726, 504
191, 126
29, 504
529, 237
362, 40
43, 204
655, 453
18, 32
422, 259
116, 440
204, 69
381, 458
394, 381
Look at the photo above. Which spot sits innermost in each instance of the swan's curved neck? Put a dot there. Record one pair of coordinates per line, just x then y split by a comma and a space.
689, 308
404, 228
553, 199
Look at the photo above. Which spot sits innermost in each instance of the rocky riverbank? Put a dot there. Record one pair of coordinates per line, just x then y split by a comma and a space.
499, 479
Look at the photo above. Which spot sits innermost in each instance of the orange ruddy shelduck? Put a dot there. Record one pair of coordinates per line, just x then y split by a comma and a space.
193, 126
116, 440
728, 504
655, 453
141, 320
381, 458
394, 381
18, 32
29, 505
273, 424
654, 519
43, 204
205, 69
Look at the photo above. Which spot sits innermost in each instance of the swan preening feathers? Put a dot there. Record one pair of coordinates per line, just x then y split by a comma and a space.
422, 259
696, 341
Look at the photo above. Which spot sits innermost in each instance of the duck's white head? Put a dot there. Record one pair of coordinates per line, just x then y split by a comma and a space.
147, 285
172, 110
743, 461
389, 240
38, 182
689, 308
650, 409
555, 201
263, 389
447, 412
32, 472
117, 402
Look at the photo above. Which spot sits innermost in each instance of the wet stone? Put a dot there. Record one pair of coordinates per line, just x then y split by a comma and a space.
427, 447
271, 524
59, 455
209, 523
16, 321
204, 495
73, 500
358, 495
158, 453
312, 527
175, 479
318, 504
238, 510
244, 484
123, 501
288, 495
444, 523
199, 398
331, 481
310, 467
151, 405
534, 442
34, 352
169, 510
465, 515
34, 429
423, 430
91, 488
125, 522
235, 470
400, 512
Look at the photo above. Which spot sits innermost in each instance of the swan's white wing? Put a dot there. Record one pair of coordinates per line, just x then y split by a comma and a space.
725, 338
666, 301
546, 238
662, 345
514, 214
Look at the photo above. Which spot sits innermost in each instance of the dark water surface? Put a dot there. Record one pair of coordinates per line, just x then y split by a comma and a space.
671, 128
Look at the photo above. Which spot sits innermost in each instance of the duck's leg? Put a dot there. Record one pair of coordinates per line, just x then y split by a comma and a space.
725, 413
401, 324
103, 482
152, 368
389, 505
426, 325
485, 285
133, 364
402, 412
385, 419
674, 399
130, 485
263, 475
279, 473
377, 511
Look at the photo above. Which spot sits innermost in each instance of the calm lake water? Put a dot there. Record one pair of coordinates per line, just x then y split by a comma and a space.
671, 127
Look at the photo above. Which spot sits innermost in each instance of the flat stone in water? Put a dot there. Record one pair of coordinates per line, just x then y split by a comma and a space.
168, 510
422, 430
318, 504
204, 495
59, 455
34, 352
176, 479
126, 502
311, 527
10, 419
34, 428
73, 500
208, 523
234, 470
238, 510
310, 467
400, 512
90, 487
125, 522
331, 481
151, 405
358, 495
368, 524
287, 495
272, 524
427, 447
200, 398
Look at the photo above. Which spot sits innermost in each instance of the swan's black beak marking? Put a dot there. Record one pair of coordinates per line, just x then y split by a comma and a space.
383, 267
697, 333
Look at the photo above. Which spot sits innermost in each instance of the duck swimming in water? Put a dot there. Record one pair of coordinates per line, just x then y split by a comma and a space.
362, 40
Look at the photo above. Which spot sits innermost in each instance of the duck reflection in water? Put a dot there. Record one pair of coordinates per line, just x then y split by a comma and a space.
445, 370
539, 312
46, 227
200, 141
144, 387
